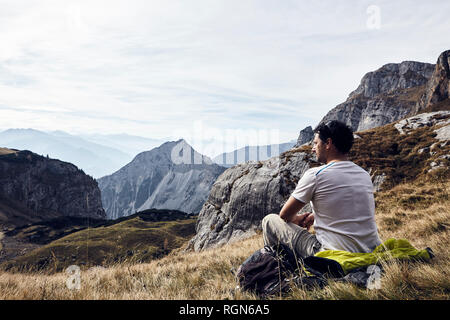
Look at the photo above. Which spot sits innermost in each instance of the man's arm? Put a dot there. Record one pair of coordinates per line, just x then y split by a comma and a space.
305, 191
289, 213
290, 209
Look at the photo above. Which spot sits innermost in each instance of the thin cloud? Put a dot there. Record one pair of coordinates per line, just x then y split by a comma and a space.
149, 68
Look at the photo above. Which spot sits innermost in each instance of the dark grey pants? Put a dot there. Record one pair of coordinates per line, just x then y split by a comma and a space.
298, 239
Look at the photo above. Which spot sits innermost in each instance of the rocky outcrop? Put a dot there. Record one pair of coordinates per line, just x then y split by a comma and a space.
392, 77
35, 188
430, 119
383, 96
172, 176
305, 136
440, 120
437, 93
244, 194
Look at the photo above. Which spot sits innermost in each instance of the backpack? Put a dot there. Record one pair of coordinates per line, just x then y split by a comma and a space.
272, 270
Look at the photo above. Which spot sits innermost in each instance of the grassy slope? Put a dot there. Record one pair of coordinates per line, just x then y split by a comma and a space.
6, 151
131, 240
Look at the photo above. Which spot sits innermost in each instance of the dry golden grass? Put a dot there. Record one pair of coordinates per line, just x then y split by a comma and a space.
6, 151
419, 212
180, 275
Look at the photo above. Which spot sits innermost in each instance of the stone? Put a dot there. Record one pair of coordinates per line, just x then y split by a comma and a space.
422, 150
426, 119
377, 182
443, 134
305, 136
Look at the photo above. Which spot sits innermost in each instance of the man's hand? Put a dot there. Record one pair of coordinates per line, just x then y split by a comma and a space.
304, 220
308, 220
299, 219
289, 211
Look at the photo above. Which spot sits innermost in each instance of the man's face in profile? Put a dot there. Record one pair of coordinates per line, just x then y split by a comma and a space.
319, 149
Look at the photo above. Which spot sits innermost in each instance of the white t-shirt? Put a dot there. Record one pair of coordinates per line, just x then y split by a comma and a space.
341, 196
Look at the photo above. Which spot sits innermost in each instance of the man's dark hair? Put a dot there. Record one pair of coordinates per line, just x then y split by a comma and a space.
341, 135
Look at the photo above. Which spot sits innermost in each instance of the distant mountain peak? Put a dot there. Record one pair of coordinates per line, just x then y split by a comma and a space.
177, 152
171, 176
23, 130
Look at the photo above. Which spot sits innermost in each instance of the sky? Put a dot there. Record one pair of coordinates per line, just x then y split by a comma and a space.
218, 73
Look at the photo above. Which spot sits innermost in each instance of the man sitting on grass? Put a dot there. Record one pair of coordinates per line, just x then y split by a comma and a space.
341, 197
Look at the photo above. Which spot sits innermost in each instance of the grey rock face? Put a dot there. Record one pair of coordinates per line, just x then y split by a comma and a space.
383, 96
244, 194
172, 176
394, 76
39, 188
438, 119
438, 88
305, 136
426, 119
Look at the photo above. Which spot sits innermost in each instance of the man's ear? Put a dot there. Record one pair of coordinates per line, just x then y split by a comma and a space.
328, 143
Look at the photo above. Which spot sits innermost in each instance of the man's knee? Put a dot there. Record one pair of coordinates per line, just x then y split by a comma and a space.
271, 226
268, 221
269, 230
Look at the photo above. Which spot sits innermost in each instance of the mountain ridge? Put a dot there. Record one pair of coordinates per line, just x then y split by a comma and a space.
34, 188
171, 176
95, 159
393, 92
383, 96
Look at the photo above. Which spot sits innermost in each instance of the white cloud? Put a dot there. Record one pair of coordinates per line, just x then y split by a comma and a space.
151, 67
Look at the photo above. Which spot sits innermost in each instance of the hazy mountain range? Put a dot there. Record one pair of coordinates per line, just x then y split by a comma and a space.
252, 153
100, 155
96, 155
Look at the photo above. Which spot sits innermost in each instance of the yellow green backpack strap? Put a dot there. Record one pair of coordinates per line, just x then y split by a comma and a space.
389, 249
348, 260
401, 249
